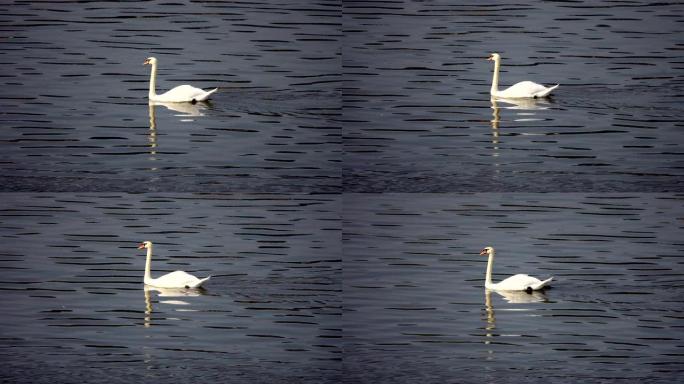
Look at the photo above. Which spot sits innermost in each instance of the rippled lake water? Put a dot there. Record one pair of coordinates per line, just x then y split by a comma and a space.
415, 307
418, 115
75, 308
74, 105
264, 188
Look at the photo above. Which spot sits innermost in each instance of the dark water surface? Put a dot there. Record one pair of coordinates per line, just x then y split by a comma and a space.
75, 309
418, 115
415, 307
264, 188
74, 97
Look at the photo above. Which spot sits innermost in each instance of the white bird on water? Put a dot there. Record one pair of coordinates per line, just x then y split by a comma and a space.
519, 282
179, 94
523, 89
177, 279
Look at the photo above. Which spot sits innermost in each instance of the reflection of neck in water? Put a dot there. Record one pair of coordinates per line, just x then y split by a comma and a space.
153, 135
148, 308
495, 131
491, 322
495, 124
522, 107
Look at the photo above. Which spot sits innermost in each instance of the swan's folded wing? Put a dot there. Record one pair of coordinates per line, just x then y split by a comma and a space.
176, 279
184, 93
199, 282
541, 284
205, 95
546, 91
519, 282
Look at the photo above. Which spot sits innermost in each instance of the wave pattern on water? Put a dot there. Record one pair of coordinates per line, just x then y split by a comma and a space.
418, 116
73, 292
74, 95
415, 303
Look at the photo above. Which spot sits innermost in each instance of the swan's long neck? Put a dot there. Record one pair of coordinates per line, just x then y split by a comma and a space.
490, 263
148, 264
495, 79
153, 82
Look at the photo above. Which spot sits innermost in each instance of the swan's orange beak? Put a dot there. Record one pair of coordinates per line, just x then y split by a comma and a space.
490, 58
141, 246
483, 252
147, 61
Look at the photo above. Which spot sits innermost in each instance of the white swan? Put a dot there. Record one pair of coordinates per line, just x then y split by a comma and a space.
177, 279
518, 282
523, 89
179, 94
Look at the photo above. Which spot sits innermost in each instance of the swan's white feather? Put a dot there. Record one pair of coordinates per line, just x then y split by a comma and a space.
177, 279
525, 89
183, 93
521, 90
179, 94
519, 282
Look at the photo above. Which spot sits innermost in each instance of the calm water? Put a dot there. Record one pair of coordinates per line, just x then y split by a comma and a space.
418, 116
415, 308
75, 307
74, 97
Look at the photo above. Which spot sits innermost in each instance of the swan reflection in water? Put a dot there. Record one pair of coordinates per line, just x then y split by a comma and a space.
512, 297
153, 135
520, 106
186, 110
168, 292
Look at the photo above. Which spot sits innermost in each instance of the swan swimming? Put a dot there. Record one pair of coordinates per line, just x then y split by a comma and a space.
519, 282
523, 89
177, 279
179, 94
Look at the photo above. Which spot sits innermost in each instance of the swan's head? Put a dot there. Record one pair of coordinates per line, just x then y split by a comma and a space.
150, 61
145, 245
494, 57
487, 251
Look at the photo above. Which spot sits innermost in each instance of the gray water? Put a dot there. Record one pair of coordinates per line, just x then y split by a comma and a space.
418, 115
415, 307
74, 97
328, 187
75, 309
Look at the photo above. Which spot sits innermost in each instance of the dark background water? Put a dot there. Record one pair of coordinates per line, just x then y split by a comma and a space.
75, 309
417, 110
320, 102
415, 307
74, 96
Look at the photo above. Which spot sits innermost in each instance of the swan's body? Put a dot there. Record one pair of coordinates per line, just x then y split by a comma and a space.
523, 89
177, 279
179, 94
520, 282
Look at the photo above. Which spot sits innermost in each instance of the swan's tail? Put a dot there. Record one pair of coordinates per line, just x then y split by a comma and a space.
206, 95
541, 284
547, 91
199, 282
